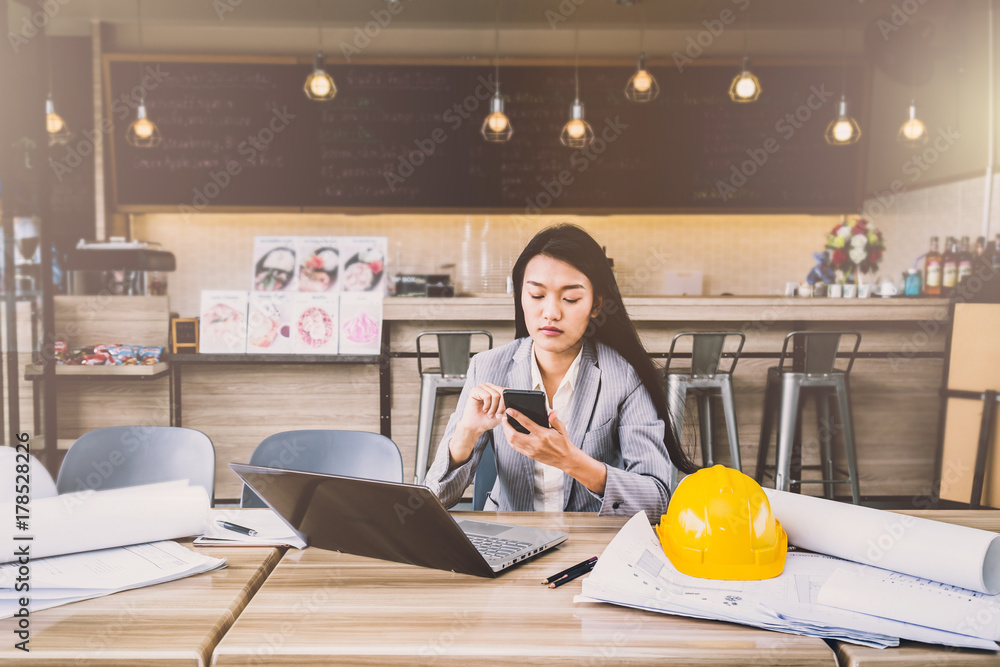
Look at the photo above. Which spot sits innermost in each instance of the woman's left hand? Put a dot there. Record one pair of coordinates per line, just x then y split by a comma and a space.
550, 446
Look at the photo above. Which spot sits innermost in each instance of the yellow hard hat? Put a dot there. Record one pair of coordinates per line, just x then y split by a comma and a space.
719, 525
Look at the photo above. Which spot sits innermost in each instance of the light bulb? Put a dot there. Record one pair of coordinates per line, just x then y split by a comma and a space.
642, 81
143, 128
498, 121
746, 86
842, 130
54, 123
914, 129
320, 84
576, 128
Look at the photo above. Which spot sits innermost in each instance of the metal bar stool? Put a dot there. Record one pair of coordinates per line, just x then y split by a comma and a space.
705, 379
453, 353
784, 398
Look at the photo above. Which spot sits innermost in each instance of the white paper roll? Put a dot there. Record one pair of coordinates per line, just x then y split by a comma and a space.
956, 555
88, 520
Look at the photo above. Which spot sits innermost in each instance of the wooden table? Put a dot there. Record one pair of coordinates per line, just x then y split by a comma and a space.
321, 607
912, 653
176, 623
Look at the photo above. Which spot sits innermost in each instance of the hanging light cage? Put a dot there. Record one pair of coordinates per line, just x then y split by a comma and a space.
143, 133
319, 85
641, 86
576, 133
745, 86
55, 126
913, 132
496, 127
843, 130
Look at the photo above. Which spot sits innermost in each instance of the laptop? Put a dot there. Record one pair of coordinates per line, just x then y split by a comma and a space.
392, 521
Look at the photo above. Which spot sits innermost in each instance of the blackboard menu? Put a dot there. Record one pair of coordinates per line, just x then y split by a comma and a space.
406, 137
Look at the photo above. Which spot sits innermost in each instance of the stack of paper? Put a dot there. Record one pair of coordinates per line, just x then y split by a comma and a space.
270, 529
60, 580
89, 520
633, 571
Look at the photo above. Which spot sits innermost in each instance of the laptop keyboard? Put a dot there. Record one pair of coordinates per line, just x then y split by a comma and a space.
496, 547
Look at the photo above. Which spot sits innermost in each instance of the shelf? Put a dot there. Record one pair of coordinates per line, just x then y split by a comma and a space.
265, 359
34, 373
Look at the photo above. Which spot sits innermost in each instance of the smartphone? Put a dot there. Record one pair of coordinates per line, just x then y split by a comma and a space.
531, 404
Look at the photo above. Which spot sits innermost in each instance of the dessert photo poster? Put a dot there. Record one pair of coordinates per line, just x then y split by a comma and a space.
223, 323
274, 264
362, 267
269, 324
314, 323
360, 323
318, 263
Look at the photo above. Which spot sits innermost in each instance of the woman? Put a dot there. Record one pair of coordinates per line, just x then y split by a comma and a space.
609, 447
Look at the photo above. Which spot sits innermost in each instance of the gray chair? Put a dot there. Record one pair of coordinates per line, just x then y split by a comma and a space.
784, 397
453, 352
705, 379
120, 456
486, 477
347, 453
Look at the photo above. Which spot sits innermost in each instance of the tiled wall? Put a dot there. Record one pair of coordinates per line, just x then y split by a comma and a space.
745, 255
912, 217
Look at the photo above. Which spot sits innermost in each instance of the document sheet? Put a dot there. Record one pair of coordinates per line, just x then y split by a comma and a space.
271, 529
89, 520
633, 571
59, 580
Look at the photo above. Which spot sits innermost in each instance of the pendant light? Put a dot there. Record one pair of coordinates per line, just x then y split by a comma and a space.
843, 130
576, 133
745, 87
55, 126
142, 133
319, 85
913, 132
641, 86
496, 127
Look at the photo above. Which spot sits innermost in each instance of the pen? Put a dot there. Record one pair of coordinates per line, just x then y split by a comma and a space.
566, 578
589, 561
237, 528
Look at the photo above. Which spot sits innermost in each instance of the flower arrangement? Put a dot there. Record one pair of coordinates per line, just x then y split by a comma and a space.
855, 247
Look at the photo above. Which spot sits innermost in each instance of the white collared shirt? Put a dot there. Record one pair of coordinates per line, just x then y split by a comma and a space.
548, 479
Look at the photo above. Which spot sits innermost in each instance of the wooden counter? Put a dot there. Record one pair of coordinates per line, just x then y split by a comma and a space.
894, 382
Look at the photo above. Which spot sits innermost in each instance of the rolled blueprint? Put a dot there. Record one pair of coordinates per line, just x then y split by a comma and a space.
955, 555
89, 520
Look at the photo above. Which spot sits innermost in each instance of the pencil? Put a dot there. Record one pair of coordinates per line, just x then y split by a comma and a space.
566, 578
553, 577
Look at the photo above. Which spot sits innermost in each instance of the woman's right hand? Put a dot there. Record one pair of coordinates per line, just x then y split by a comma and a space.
483, 412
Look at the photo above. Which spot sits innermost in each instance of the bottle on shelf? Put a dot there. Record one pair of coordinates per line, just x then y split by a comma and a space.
980, 251
949, 267
911, 283
994, 254
932, 270
964, 261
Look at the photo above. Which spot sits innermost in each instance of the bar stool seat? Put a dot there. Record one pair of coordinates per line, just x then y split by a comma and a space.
784, 399
705, 379
453, 353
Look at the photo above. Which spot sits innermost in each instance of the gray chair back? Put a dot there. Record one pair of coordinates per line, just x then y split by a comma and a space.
453, 351
706, 351
820, 350
348, 453
120, 456
486, 477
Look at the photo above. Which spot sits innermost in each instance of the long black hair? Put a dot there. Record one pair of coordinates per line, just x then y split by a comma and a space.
612, 326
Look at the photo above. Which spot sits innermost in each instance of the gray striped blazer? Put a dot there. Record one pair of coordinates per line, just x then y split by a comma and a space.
613, 420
